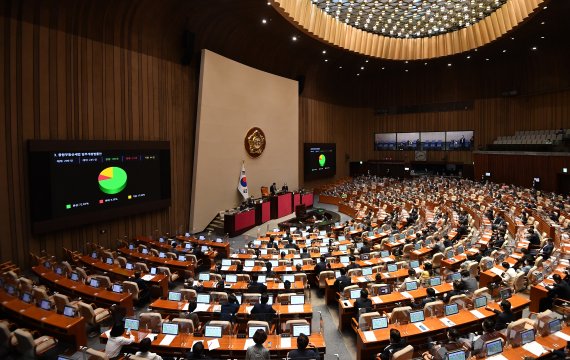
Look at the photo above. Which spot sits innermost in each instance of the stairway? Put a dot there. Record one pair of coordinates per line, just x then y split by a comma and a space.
216, 226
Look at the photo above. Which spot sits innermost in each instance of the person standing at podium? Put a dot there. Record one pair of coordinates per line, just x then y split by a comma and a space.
273, 189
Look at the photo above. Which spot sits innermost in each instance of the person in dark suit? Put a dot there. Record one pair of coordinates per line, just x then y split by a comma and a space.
363, 302
256, 287
302, 353
547, 249
457, 290
273, 189
365, 249
533, 237
269, 273
229, 309
504, 317
561, 289
342, 281
321, 265
429, 298
290, 245
396, 344
305, 254
352, 264
285, 188
263, 311
144, 293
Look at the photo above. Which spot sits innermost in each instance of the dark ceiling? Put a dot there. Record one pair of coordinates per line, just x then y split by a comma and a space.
235, 29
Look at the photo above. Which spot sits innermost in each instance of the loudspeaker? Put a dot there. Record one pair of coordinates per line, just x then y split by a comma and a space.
187, 47
301, 80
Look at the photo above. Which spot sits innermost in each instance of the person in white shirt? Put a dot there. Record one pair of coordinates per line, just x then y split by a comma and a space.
509, 274
144, 350
411, 278
117, 340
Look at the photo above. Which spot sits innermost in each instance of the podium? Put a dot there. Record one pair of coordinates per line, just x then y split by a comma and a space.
281, 205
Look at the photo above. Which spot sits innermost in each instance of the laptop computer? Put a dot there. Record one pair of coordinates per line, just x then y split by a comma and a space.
494, 347
411, 285
379, 323
231, 278
451, 309
117, 288
203, 298
301, 329
253, 329
213, 331
170, 328
416, 316
297, 300
132, 324
174, 296
480, 302
355, 293
435, 281
456, 355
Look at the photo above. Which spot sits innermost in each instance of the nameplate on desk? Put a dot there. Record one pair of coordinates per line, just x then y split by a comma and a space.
248, 309
288, 268
496, 271
361, 279
386, 275
406, 294
447, 322
147, 277
225, 268
535, 348
285, 342
281, 286
217, 308
421, 326
368, 262
369, 336
202, 307
167, 339
477, 314
185, 307
295, 308
213, 344
248, 269
515, 256
387, 259
562, 335
377, 300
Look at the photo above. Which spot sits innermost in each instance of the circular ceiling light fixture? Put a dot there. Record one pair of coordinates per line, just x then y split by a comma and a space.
407, 29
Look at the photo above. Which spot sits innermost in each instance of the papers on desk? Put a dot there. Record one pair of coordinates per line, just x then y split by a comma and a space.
477, 314
376, 300
418, 270
288, 268
497, 357
421, 326
387, 259
248, 309
535, 348
202, 307
285, 342
217, 308
185, 307
167, 340
562, 335
516, 256
147, 277
496, 271
248, 343
248, 269
361, 279
225, 268
369, 336
213, 344
386, 275
368, 262
406, 294
436, 290
447, 322
281, 286
295, 308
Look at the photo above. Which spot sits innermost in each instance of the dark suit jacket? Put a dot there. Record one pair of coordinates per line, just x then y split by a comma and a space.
503, 319
256, 287
306, 354
341, 282
321, 266
362, 303
263, 312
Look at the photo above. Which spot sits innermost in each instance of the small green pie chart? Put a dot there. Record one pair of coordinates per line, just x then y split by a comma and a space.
322, 160
112, 180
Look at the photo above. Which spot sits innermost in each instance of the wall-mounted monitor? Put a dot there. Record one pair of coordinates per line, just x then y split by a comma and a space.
74, 183
408, 141
433, 140
385, 141
320, 161
459, 140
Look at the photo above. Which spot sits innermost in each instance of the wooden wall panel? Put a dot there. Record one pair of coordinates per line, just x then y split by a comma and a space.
60, 85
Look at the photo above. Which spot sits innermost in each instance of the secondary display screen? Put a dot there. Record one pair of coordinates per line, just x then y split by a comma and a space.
320, 160
78, 182
386, 141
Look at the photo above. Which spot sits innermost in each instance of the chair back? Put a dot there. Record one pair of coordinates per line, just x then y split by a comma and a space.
519, 282
354, 272
400, 315
96, 354
188, 294
436, 260
226, 326
186, 326
289, 324
406, 353
365, 320
25, 341
251, 298
460, 300
132, 288
434, 308
140, 266
323, 276
219, 296
482, 291
151, 321
257, 323
346, 291
60, 301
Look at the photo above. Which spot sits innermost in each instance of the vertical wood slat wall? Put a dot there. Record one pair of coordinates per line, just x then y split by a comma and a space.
57, 85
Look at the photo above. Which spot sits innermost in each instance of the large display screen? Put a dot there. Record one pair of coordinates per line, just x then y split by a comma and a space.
408, 141
459, 140
78, 182
385, 141
433, 140
320, 160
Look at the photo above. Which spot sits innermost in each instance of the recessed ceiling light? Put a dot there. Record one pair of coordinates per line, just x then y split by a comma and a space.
476, 50
326, 60
294, 38
357, 74
406, 61
340, 67
544, 8
362, 68
448, 64
542, 37
469, 56
534, 48
406, 70
268, 3
324, 51
383, 68
542, 23
504, 50
486, 59
263, 21
366, 60
512, 37
425, 63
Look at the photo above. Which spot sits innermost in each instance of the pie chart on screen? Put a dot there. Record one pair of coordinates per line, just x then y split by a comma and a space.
112, 180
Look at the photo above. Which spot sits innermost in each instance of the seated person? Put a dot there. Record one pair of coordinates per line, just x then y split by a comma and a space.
229, 309
547, 249
144, 350
342, 281
263, 311
363, 302
504, 317
321, 265
411, 278
305, 254
256, 287
457, 290
489, 334
144, 292
268, 272
290, 245
352, 264
302, 353
429, 298
396, 344
439, 351
197, 352
509, 274
560, 289
117, 340
470, 284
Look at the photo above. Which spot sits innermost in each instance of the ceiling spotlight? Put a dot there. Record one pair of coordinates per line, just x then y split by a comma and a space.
263, 21
358, 74
512, 37
340, 67
425, 64
362, 68
406, 61
486, 59
383, 68
542, 23
448, 64
406, 70
544, 8
542, 37
504, 51
366, 60
326, 60
534, 48
268, 3
324, 51
469, 56
294, 38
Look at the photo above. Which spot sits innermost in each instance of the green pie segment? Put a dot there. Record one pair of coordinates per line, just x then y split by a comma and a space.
112, 180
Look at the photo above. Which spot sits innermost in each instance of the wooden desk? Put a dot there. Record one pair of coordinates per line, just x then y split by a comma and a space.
549, 342
385, 303
47, 322
230, 346
118, 273
238, 222
464, 321
101, 297
242, 286
166, 246
421, 253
